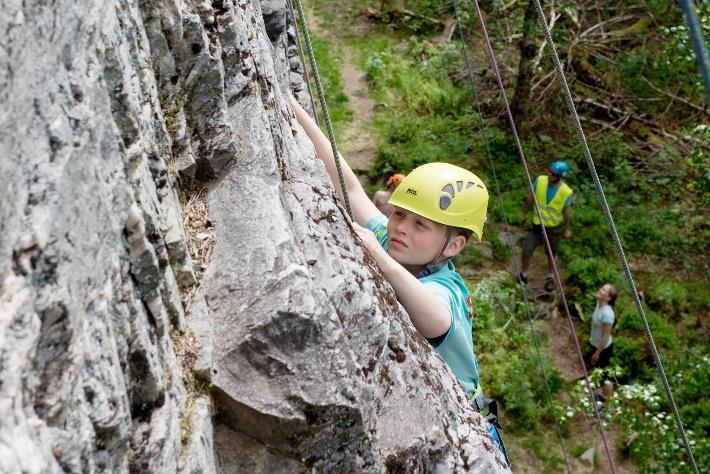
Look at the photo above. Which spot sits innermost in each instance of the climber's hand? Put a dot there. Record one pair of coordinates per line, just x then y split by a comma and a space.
371, 243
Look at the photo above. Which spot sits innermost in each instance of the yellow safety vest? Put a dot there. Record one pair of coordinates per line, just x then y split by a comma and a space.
551, 212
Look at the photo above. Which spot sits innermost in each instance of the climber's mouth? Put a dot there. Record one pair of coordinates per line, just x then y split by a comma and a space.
395, 242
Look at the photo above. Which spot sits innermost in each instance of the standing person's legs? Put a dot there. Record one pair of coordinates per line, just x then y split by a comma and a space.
533, 239
554, 235
605, 356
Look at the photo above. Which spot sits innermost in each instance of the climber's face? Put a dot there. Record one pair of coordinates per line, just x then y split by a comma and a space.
414, 241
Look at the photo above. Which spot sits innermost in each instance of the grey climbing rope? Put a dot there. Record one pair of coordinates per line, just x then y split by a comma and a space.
324, 107
303, 61
491, 164
612, 229
558, 281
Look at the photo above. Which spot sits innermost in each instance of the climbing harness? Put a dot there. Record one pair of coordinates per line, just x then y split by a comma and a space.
324, 108
482, 127
488, 409
612, 230
521, 155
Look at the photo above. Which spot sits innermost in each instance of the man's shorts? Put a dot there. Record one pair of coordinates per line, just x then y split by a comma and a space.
535, 238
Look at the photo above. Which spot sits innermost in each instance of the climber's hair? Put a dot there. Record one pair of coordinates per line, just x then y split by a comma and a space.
466, 233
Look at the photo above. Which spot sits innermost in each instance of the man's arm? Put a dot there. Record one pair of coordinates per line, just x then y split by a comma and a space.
428, 314
567, 214
526, 208
362, 207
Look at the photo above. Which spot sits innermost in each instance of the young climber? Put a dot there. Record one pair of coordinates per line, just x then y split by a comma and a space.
602, 322
555, 200
382, 197
437, 207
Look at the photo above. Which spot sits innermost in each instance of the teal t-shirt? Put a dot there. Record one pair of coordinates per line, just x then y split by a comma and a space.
446, 284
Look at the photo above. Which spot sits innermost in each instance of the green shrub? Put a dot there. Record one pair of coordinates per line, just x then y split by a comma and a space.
510, 370
670, 297
629, 355
699, 162
590, 274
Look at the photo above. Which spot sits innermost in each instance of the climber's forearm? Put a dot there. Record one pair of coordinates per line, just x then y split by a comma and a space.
325, 151
428, 315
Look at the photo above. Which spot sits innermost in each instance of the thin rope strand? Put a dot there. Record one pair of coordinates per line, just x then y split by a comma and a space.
510, 241
521, 154
303, 61
612, 230
324, 107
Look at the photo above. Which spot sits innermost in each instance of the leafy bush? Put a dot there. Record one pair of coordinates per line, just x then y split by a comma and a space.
699, 162
671, 297
650, 435
510, 370
629, 355
591, 273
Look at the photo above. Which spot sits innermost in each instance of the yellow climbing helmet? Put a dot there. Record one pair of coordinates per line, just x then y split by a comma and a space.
445, 194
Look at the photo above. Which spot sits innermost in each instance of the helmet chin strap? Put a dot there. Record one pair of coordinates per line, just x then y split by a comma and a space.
435, 265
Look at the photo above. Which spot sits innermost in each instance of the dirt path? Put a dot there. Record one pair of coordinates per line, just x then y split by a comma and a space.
358, 144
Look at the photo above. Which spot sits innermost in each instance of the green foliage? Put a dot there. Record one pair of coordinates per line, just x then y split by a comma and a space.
699, 162
678, 53
677, 299
510, 370
650, 435
629, 354
591, 273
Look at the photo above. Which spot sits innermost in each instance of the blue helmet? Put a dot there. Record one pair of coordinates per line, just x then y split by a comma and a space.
559, 168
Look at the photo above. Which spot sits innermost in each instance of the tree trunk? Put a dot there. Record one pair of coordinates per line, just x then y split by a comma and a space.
521, 98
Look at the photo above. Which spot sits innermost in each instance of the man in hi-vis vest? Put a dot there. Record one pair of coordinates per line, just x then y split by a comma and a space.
555, 200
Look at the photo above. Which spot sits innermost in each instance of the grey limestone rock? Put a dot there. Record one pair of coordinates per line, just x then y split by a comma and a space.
115, 112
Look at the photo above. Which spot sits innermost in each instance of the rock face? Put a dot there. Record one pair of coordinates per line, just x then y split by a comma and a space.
109, 110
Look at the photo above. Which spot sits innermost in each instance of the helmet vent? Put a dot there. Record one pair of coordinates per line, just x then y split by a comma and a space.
447, 195
469, 185
459, 186
444, 201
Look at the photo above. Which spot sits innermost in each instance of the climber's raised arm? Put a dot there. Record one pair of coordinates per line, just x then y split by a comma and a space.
363, 208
